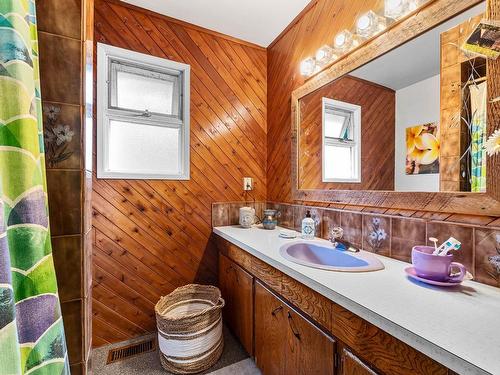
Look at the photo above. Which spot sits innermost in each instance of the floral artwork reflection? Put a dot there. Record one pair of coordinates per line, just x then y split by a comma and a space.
422, 149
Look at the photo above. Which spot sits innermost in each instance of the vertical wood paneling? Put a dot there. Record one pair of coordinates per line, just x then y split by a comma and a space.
152, 236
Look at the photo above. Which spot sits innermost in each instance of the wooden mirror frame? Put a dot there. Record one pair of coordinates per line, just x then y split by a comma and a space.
425, 18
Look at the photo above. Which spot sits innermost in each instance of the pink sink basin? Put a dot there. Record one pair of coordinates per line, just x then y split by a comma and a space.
320, 254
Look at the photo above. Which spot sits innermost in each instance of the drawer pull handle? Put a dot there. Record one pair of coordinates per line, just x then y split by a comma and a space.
275, 311
290, 322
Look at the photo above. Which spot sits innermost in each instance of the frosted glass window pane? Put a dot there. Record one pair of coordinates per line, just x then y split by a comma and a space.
138, 92
338, 124
139, 148
338, 162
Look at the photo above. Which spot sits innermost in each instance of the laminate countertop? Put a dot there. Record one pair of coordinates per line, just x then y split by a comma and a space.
458, 327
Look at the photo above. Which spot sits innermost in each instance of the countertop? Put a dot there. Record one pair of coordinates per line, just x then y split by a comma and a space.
458, 327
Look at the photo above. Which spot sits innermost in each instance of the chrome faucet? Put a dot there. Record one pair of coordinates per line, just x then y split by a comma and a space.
336, 234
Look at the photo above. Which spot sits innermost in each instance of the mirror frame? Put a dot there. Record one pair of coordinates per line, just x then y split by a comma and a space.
431, 14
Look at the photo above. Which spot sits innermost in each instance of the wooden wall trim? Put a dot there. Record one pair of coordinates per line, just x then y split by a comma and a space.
429, 16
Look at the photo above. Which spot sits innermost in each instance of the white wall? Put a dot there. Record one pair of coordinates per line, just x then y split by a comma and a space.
415, 105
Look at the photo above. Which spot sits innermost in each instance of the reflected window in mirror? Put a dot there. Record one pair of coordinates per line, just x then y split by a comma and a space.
341, 124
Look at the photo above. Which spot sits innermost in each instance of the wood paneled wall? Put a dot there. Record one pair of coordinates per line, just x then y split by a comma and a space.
378, 119
316, 26
151, 236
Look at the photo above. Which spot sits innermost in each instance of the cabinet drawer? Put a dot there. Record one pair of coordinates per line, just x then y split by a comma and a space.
310, 302
384, 352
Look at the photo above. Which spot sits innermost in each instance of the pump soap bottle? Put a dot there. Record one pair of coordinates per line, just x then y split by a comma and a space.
308, 227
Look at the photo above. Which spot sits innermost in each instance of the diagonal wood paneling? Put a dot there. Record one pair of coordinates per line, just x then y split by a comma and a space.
153, 236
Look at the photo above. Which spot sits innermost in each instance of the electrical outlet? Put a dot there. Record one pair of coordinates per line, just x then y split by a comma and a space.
247, 183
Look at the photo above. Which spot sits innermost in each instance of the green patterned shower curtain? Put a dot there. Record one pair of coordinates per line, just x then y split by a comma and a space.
478, 137
31, 328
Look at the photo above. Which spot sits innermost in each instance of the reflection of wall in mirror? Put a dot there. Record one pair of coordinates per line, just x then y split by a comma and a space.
415, 104
377, 134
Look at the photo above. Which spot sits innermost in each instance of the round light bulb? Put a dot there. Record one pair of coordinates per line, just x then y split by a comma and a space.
340, 40
363, 22
321, 54
307, 66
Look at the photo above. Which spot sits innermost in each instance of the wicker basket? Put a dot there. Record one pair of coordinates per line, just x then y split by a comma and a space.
189, 322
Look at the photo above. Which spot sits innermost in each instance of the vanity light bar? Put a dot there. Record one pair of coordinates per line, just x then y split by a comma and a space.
367, 25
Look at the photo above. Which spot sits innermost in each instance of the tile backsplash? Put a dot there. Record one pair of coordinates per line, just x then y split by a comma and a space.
392, 233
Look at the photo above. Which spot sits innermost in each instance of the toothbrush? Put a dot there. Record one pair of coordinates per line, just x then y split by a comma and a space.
435, 240
450, 244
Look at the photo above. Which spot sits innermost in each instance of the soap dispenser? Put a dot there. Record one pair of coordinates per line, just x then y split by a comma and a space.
308, 227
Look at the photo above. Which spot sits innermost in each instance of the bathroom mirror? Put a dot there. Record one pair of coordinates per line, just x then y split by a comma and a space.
387, 126
407, 115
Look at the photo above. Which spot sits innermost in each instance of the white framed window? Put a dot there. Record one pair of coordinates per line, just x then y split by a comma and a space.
142, 116
341, 134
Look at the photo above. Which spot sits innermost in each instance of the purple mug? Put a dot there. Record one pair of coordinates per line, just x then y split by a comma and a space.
435, 267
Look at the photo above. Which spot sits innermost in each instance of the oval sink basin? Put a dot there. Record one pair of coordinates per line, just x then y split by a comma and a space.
323, 255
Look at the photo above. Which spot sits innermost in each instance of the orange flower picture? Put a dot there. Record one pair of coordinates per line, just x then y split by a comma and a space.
422, 149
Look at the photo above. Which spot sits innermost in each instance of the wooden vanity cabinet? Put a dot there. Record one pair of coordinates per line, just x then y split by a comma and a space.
286, 342
236, 286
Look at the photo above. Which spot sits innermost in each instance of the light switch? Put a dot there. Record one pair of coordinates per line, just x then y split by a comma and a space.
247, 183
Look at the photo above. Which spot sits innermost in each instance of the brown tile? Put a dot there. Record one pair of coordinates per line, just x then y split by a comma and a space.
62, 135
377, 234
443, 231
487, 256
331, 219
220, 214
50, 19
67, 252
299, 213
351, 223
64, 194
406, 233
60, 68
73, 318
285, 218
234, 212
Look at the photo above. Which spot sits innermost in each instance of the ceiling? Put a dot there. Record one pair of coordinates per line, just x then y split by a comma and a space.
255, 21
415, 60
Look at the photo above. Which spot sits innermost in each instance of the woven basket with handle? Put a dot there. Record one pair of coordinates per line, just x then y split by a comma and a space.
189, 322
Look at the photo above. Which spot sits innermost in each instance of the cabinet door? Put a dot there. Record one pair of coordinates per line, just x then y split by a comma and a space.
237, 290
309, 350
270, 332
352, 365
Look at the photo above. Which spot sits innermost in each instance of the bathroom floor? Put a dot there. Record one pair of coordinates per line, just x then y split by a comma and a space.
234, 360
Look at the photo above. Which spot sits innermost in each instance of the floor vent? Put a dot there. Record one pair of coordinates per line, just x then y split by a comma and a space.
124, 352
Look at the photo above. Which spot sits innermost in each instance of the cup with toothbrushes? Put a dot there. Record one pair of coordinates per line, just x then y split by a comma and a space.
436, 262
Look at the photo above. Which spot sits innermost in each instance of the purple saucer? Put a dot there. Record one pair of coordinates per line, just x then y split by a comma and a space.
410, 271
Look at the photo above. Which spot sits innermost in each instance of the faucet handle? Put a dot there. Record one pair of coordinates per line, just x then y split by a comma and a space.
336, 233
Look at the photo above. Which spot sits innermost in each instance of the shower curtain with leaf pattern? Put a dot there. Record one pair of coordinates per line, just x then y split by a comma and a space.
478, 137
31, 329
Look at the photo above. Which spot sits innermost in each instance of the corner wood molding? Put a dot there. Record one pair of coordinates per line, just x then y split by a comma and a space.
432, 14
493, 109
